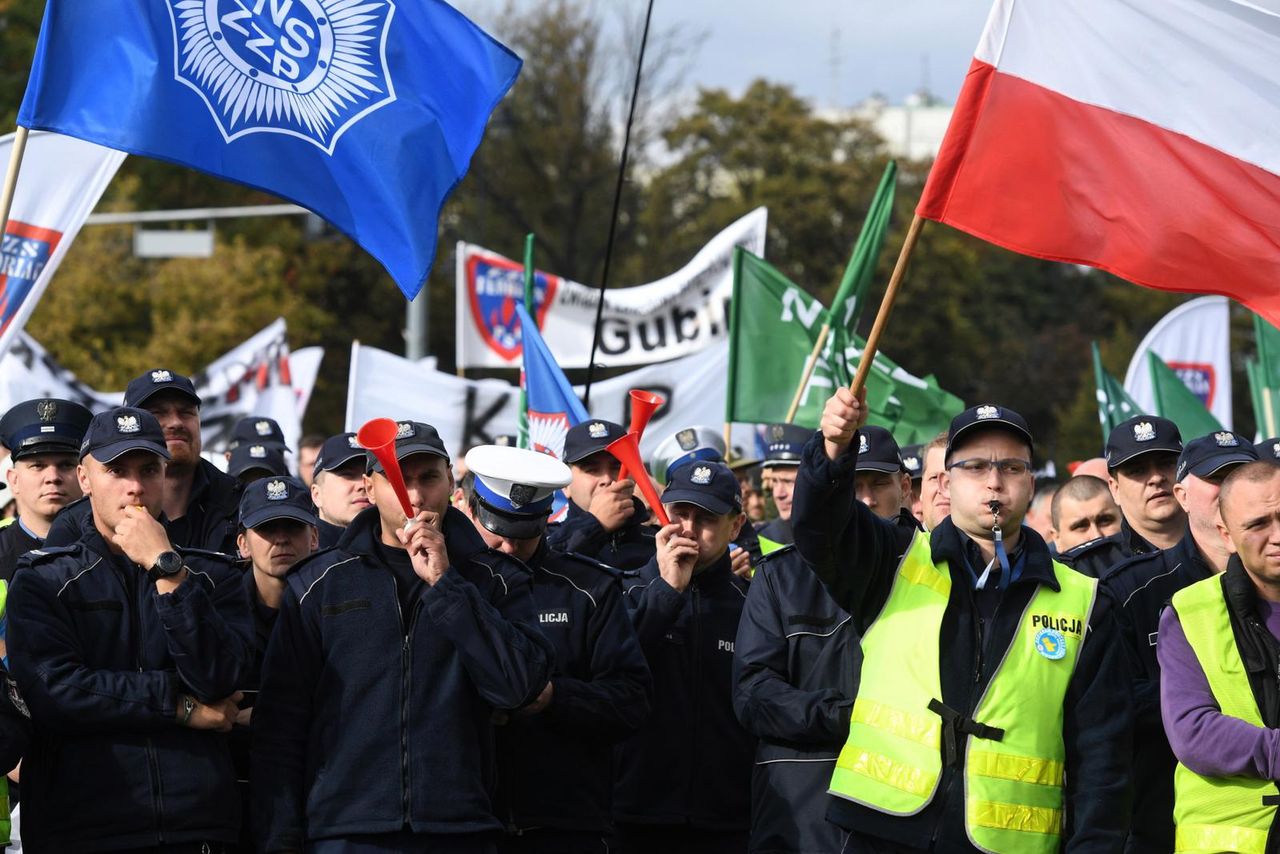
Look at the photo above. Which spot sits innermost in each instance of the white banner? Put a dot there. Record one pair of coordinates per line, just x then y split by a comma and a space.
258, 377
1194, 340
663, 320
61, 180
472, 412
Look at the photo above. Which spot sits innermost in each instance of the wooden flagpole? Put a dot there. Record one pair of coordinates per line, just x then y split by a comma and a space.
11, 177
886, 305
810, 364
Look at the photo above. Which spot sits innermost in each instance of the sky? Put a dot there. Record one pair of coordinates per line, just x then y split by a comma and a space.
890, 47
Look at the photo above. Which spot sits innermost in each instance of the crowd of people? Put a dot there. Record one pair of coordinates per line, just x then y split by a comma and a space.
497, 651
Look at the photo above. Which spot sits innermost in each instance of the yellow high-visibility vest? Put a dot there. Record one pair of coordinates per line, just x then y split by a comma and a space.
1219, 813
1013, 750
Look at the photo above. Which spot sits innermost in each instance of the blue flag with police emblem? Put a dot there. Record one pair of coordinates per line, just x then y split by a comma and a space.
552, 406
366, 112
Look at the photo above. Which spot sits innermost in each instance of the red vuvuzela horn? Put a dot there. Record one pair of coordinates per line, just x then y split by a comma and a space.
378, 437
643, 405
627, 450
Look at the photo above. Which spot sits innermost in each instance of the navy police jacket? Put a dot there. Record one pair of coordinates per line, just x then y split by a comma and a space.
375, 716
101, 659
1142, 587
690, 765
629, 547
557, 765
796, 665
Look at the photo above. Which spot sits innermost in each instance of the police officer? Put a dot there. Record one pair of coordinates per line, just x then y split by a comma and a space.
1082, 510
277, 529
256, 430
1142, 454
555, 760
971, 630
392, 652
913, 463
796, 659
605, 521
249, 463
881, 480
338, 486
43, 437
308, 451
1219, 656
1143, 586
684, 782
782, 457
128, 651
935, 504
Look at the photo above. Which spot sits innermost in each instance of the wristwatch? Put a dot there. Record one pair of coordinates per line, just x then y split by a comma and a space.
167, 565
188, 706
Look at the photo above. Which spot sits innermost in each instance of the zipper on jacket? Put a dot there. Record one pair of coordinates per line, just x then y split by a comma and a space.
404, 704
134, 593
696, 647
980, 633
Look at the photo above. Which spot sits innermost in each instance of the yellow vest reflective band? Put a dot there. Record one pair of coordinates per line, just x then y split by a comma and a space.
768, 546
1013, 750
1219, 813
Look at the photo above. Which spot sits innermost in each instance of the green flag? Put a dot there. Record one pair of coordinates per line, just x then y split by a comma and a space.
1264, 378
850, 298
1176, 402
774, 325
1114, 403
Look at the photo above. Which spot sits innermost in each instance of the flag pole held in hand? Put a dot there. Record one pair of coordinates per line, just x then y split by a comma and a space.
886, 305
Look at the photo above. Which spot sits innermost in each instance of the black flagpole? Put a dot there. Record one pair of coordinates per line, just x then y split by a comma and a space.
617, 200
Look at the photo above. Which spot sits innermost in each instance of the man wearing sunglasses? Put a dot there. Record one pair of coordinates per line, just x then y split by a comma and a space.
992, 710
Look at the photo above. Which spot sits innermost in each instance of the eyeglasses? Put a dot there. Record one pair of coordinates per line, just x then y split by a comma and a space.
982, 468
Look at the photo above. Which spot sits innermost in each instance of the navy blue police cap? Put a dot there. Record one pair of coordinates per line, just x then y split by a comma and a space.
263, 457
47, 425
412, 437
1268, 449
515, 488
590, 437
984, 417
121, 430
1141, 434
257, 430
336, 452
710, 485
878, 451
150, 383
784, 444
913, 460
1213, 454
274, 498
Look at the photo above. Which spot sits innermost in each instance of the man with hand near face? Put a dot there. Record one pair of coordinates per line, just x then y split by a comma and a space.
964, 631
128, 652
1219, 655
605, 520
555, 755
1142, 456
392, 653
43, 437
685, 605
338, 486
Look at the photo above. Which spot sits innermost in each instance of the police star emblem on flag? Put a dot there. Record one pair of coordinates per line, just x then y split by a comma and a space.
305, 68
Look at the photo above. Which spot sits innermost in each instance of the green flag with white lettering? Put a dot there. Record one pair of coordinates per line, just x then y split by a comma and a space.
774, 326
1177, 403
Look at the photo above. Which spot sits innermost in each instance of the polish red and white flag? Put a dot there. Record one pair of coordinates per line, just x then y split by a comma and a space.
1137, 136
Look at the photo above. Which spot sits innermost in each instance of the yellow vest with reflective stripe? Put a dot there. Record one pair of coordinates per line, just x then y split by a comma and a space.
1219, 813
892, 760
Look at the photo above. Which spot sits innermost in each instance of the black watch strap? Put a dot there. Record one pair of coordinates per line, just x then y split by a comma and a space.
167, 565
